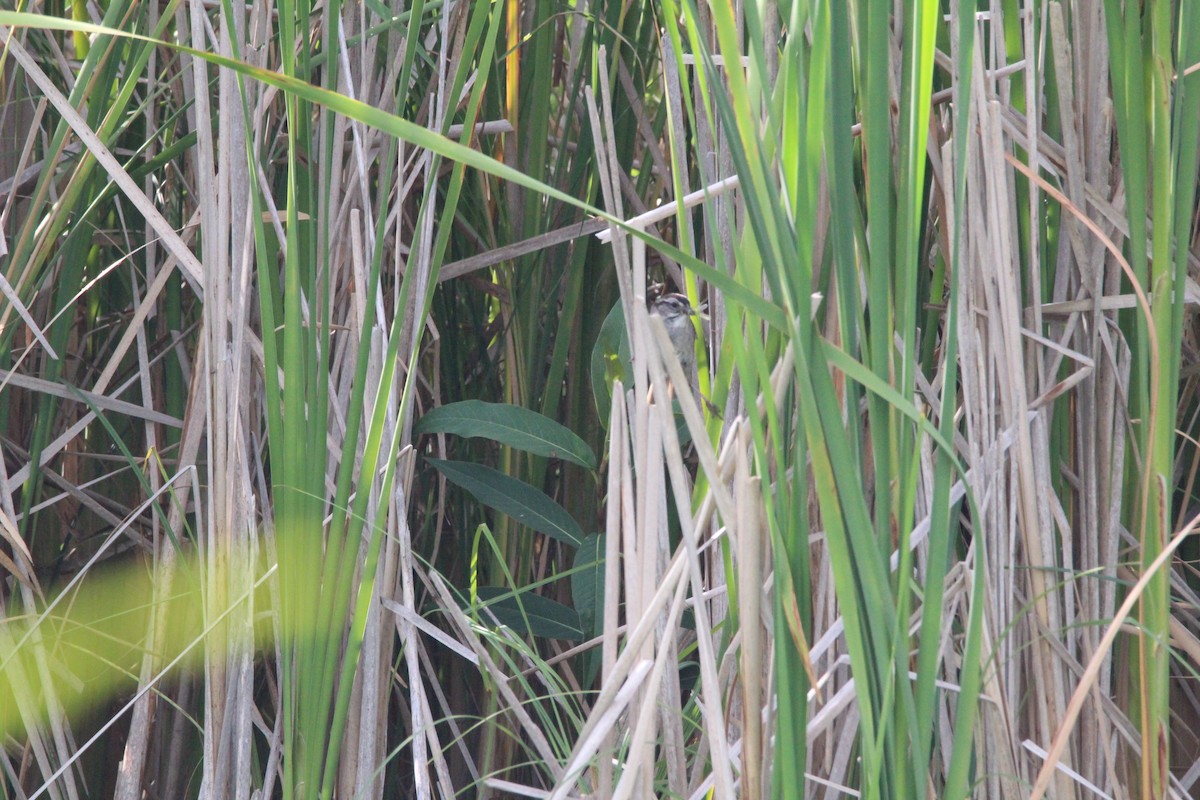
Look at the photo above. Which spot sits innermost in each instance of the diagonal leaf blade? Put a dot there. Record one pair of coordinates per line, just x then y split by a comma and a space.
524, 503
529, 613
512, 425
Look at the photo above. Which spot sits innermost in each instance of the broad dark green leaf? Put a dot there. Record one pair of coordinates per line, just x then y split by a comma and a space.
610, 361
511, 425
517, 499
534, 614
587, 583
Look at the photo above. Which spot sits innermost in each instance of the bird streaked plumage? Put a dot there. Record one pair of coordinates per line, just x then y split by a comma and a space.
676, 313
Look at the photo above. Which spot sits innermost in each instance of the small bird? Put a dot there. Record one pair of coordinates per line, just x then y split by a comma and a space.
676, 313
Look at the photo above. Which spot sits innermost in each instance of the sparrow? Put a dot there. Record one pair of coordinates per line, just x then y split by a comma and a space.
676, 313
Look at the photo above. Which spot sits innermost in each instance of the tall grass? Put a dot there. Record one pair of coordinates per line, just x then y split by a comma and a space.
923, 534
